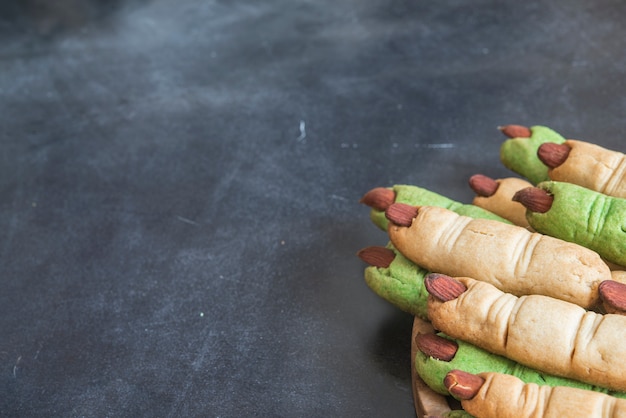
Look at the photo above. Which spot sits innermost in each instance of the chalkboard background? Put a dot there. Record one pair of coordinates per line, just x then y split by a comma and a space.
180, 185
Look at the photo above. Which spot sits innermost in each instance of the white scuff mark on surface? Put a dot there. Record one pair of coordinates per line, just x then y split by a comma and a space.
440, 145
302, 131
187, 221
38, 351
17, 364
336, 197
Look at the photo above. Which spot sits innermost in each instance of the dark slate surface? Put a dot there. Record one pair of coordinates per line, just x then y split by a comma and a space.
179, 186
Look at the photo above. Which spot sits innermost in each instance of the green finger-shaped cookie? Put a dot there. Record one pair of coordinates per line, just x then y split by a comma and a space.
457, 413
472, 359
401, 284
415, 196
520, 154
586, 217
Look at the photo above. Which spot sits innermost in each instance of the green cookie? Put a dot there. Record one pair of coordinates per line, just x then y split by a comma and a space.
585, 217
413, 195
457, 414
401, 284
520, 154
472, 359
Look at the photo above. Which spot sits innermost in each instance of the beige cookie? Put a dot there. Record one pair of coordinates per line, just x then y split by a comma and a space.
541, 332
506, 396
501, 201
594, 167
510, 257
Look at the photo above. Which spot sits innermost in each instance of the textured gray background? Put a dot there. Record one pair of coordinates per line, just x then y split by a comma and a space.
179, 186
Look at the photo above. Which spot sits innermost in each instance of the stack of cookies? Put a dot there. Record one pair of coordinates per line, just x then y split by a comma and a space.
520, 297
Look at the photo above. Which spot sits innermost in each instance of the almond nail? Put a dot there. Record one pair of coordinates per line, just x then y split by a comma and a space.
534, 199
377, 256
463, 385
444, 288
379, 198
516, 131
553, 155
401, 214
436, 347
613, 296
482, 185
